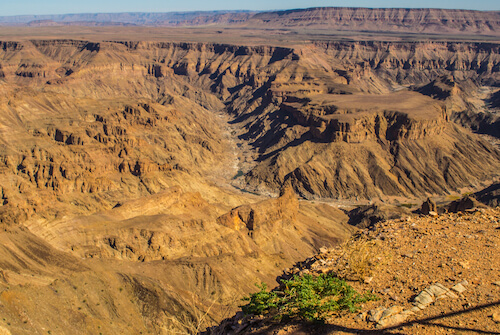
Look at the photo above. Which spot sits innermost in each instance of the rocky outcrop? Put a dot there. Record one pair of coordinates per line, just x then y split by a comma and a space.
428, 206
467, 203
351, 126
371, 167
489, 196
253, 217
367, 216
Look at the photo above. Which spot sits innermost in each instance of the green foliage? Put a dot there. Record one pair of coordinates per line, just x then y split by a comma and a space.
309, 298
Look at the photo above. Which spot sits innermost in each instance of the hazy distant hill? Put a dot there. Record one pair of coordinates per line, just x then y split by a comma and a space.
141, 19
434, 21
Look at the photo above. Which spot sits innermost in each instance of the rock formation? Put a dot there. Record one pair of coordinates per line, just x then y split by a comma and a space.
367, 216
489, 196
384, 19
428, 206
285, 104
466, 203
140, 180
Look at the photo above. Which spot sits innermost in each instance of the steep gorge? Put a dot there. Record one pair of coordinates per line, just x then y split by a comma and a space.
317, 96
355, 93
114, 157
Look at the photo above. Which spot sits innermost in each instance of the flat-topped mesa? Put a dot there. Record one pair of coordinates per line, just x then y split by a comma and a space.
421, 20
385, 119
400, 139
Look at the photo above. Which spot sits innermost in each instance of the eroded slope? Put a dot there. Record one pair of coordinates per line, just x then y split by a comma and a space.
118, 157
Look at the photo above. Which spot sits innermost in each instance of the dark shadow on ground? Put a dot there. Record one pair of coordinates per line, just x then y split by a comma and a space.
302, 328
328, 329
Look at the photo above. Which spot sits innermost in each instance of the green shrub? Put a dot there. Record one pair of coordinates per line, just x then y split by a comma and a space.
309, 298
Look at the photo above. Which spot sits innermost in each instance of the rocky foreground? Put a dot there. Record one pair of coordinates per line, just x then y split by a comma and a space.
433, 274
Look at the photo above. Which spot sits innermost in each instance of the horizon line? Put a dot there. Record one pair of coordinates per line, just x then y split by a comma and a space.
248, 11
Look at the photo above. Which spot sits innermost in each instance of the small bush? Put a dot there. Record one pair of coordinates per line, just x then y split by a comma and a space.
360, 258
309, 298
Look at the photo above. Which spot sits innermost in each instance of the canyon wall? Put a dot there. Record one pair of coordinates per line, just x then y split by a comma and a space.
415, 20
135, 108
137, 169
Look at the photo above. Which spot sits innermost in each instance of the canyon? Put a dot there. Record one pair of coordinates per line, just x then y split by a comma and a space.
148, 184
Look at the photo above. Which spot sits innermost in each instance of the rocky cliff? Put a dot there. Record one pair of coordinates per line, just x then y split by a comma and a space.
357, 99
134, 160
312, 103
423, 20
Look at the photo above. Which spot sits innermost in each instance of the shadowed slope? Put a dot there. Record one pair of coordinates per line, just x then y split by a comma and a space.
121, 154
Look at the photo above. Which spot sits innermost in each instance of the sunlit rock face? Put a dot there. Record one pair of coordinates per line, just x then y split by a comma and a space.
136, 175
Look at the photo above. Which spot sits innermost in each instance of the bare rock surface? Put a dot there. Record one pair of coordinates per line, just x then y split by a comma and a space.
441, 269
324, 130
381, 19
146, 185
465, 204
428, 206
